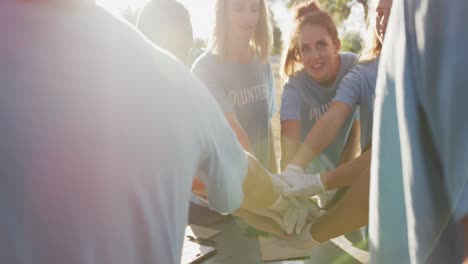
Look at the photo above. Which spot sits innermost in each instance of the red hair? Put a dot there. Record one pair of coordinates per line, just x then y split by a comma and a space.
305, 14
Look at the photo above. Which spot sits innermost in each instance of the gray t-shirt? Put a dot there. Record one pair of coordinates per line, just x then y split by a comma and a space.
419, 169
94, 168
246, 90
358, 89
305, 100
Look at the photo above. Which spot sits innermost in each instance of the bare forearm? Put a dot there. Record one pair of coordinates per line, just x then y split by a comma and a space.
273, 168
289, 148
352, 147
239, 131
243, 139
315, 143
258, 188
350, 213
323, 133
346, 174
290, 140
260, 222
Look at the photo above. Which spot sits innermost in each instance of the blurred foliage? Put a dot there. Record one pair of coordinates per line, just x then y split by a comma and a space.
277, 42
338, 9
351, 41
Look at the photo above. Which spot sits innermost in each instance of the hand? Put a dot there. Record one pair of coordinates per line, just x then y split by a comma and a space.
265, 224
304, 240
290, 213
298, 214
300, 184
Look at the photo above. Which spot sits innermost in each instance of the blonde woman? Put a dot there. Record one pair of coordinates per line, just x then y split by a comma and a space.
237, 71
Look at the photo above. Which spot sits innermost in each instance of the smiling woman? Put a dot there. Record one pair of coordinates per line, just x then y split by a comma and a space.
315, 68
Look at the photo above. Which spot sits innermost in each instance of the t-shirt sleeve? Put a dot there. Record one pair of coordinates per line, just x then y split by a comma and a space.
206, 71
224, 162
291, 102
350, 89
271, 91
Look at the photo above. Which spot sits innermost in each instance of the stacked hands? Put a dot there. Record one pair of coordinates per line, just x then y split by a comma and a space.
293, 211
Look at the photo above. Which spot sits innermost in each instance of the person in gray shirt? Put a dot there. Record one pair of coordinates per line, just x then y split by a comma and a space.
314, 67
237, 71
356, 88
350, 212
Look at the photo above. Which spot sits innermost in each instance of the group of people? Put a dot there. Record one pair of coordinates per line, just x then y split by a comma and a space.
107, 132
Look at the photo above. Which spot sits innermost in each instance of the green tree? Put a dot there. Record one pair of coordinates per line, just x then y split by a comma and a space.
351, 41
338, 9
277, 42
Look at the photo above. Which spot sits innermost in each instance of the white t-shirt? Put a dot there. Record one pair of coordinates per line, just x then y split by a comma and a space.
102, 133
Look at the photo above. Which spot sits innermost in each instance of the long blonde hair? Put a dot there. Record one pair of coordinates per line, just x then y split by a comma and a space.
372, 45
304, 14
261, 41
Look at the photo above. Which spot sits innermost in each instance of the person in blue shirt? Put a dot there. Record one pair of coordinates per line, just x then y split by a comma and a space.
351, 211
315, 67
356, 89
419, 181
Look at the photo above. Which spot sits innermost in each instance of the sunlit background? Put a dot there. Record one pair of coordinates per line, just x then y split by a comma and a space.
202, 15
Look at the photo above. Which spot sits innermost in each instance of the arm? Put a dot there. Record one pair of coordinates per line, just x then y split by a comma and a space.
350, 213
238, 130
290, 140
346, 174
323, 133
273, 168
353, 145
258, 188
258, 193
261, 223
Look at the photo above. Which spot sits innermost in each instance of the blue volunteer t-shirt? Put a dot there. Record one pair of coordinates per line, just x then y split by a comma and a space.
420, 187
244, 89
305, 100
358, 89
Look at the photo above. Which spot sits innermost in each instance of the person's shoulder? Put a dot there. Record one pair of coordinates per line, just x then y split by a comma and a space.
348, 59
206, 60
297, 80
349, 56
367, 68
363, 67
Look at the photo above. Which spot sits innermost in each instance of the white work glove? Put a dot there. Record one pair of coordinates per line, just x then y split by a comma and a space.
301, 212
300, 184
304, 240
292, 213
